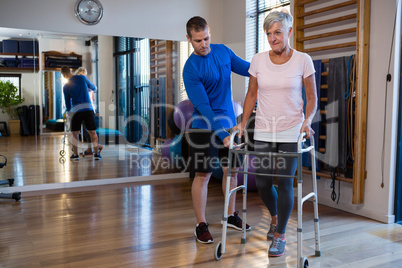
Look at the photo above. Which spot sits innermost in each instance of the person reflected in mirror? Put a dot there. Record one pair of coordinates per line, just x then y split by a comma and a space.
79, 108
83, 71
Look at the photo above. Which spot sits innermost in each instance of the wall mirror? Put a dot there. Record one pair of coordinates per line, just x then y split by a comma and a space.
123, 69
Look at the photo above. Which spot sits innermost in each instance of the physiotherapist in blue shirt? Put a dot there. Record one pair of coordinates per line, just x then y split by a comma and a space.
207, 79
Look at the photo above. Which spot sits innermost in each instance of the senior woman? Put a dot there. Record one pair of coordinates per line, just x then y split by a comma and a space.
277, 77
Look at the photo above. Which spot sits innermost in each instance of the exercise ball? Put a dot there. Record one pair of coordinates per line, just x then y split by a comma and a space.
172, 125
238, 110
251, 184
175, 151
165, 149
182, 115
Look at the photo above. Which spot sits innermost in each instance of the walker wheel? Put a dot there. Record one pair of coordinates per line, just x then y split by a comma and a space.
218, 251
62, 153
305, 263
62, 160
16, 196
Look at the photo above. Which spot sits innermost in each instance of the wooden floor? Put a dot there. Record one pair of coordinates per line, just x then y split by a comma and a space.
152, 225
34, 160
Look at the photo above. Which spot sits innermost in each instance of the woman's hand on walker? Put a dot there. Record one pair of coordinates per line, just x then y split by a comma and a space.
239, 127
306, 127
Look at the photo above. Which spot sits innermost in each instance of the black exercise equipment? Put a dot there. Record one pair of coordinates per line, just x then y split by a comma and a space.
10, 182
16, 195
2, 164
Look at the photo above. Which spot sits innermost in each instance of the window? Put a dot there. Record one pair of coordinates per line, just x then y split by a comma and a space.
95, 68
185, 51
256, 11
132, 61
13, 78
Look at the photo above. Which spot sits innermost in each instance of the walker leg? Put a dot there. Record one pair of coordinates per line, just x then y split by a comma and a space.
299, 224
315, 203
220, 249
244, 222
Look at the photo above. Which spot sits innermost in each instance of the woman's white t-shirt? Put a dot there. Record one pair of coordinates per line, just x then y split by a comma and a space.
279, 115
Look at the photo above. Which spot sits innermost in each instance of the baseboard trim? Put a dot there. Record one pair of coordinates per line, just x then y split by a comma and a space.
92, 183
356, 209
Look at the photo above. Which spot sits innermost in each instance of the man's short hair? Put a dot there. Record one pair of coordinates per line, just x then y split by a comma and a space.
197, 24
65, 70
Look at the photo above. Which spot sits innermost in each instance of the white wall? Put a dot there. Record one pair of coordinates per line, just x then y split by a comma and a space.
377, 198
234, 36
106, 84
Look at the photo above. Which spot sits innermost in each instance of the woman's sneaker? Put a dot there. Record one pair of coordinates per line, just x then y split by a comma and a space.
97, 157
202, 233
235, 222
271, 232
277, 247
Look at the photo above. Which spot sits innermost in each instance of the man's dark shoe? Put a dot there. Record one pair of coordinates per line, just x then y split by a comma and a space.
235, 222
74, 157
202, 234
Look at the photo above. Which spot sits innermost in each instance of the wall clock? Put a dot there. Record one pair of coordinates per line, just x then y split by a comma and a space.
89, 12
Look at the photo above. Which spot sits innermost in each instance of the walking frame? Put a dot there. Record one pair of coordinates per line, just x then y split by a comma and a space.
302, 262
64, 140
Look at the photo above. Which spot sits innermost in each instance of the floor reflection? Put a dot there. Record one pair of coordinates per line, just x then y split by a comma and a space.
35, 160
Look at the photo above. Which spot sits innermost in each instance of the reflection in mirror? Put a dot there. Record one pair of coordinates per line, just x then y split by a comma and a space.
139, 83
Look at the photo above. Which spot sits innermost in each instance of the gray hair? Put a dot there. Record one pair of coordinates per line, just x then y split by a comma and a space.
278, 15
81, 70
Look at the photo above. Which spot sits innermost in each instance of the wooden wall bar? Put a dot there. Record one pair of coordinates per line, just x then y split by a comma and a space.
361, 44
161, 64
362, 60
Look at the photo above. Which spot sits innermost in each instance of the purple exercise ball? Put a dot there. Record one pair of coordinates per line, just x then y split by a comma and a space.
166, 149
182, 115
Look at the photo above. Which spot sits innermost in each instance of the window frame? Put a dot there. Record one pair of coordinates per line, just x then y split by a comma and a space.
10, 75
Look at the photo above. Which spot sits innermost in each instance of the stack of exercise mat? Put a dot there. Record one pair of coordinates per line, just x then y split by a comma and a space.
27, 47
19, 46
29, 119
54, 61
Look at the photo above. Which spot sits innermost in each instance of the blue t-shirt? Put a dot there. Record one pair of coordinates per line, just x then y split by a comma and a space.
76, 94
207, 80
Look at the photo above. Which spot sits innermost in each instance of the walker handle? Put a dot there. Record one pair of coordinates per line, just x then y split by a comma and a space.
302, 139
233, 135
